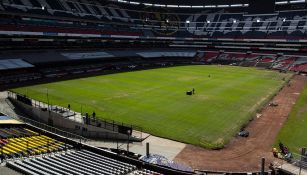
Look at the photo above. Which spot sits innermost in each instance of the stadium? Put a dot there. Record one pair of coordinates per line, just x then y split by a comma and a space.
153, 87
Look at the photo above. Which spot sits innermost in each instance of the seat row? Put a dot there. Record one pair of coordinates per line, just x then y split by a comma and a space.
29, 145
16, 132
144, 172
292, 63
73, 162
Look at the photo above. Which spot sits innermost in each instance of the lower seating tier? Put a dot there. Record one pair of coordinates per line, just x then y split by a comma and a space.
74, 162
28, 144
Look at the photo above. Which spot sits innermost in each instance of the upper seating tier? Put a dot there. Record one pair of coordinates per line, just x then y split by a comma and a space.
287, 24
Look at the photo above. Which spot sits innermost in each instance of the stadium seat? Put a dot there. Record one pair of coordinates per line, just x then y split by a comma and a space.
76, 162
221, 24
23, 142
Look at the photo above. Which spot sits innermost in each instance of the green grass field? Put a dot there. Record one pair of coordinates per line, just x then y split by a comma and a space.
156, 101
293, 133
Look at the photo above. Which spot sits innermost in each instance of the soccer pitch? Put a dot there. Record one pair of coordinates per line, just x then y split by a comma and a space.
293, 133
156, 101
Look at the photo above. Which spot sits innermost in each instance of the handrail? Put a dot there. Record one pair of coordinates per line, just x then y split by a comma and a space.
107, 122
49, 128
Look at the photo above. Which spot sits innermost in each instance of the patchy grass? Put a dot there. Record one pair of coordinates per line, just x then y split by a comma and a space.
293, 134
156, 101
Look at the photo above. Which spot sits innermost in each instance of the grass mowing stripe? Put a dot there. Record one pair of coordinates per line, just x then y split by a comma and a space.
155, 99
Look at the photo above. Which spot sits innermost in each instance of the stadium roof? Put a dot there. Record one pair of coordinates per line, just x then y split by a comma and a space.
184, 3
200, 3
193, 2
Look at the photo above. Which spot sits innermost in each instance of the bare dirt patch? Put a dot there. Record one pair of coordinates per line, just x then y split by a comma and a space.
244, 154
303, 109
